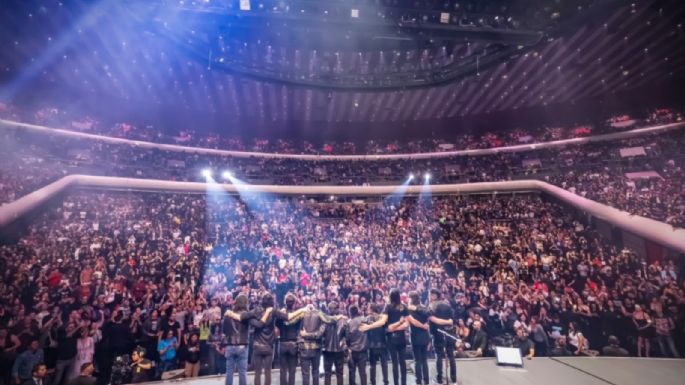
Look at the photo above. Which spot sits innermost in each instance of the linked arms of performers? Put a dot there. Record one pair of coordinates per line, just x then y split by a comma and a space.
314, 335
377, 324
298, 314
436, 320
402, 324
242, 316
416, 323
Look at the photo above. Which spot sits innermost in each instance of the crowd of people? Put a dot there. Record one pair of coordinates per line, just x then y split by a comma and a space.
596, 170
61, 118
181, 281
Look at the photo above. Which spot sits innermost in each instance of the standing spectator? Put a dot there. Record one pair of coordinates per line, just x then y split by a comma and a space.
664, 334
215, 364
540, 338
26, 362
192, 364
9, 343
85, 348
644, 327
151, 328
66, 351
167, 352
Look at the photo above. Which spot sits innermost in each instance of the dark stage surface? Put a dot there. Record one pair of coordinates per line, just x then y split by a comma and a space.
542, 371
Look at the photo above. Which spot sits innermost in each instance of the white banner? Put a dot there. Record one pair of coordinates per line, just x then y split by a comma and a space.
643, 175
531, 163
632, 151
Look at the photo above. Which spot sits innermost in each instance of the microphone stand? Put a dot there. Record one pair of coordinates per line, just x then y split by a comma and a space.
444, 363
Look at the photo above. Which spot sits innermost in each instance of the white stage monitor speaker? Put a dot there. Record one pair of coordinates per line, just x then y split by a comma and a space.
508, 356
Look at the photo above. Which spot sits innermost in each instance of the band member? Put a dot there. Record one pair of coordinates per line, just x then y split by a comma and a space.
393, 316
309, 345
378, 347
287, 354
263, 318
357, 342
334, 344
420, 338
236, 329
441, 310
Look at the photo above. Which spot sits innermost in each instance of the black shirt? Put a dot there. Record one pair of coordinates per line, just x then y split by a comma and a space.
287, 332
420, 336
66, 346
524, 346
140, 374
166, 326
394, 313
442, 310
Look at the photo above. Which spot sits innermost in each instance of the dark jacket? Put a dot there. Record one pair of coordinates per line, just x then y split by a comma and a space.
237, 331
334, 339
313, 328
265, 332
479, 340
357, 341
288, 332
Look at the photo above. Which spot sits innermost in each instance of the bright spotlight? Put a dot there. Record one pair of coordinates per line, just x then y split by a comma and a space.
207, 173
411, 176
226, 175
427, 176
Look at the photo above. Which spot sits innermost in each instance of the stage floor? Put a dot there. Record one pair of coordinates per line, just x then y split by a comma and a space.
539, 371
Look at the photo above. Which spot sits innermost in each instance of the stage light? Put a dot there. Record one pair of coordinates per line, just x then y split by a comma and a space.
411, 176
207, 173
226, 175
427, 176
245, 5
354, 13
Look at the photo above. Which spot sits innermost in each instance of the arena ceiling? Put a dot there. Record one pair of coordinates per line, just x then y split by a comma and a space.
109, 49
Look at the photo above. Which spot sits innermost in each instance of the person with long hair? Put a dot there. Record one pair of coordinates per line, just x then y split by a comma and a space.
192, 357
576, 340
645, 329
419, 316
263, 319
287, 354
393, 316
441, 321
